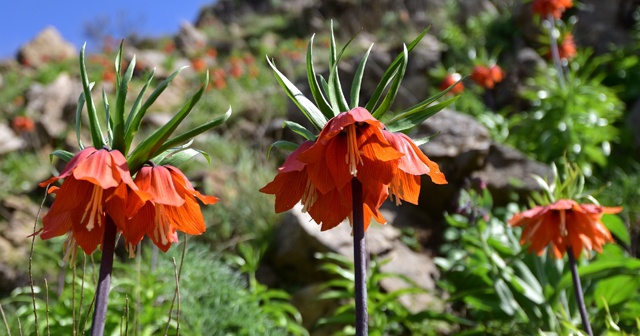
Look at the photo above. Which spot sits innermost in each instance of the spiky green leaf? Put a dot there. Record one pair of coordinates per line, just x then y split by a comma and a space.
94, 126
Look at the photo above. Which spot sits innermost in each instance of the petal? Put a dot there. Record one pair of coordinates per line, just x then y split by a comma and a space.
159, 182
292, 163
406, 187
97, 169
187, 218
55, 225
288, 188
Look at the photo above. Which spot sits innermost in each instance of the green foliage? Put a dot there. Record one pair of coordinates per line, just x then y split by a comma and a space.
508, 290
575, 119
387, 315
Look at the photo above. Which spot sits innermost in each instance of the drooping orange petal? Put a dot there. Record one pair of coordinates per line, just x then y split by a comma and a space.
288, 188
55, 225
161, 186
406, 187
97, 169
188, 217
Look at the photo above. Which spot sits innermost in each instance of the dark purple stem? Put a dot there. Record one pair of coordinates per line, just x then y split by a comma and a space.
360, 259
577, 287
104, 278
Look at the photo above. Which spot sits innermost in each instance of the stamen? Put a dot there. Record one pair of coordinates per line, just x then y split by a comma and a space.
309, 197
563, 223
93, 209
162, 226
353, 154
395, 189
70, 248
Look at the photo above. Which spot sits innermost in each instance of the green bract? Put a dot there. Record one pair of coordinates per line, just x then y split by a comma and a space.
161, 146
329, 99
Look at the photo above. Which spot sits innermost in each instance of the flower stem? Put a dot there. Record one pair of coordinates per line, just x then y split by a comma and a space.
577, 287
104, 278
360, 260
555, 54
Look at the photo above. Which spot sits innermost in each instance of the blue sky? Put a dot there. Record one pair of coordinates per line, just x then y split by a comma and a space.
23, 19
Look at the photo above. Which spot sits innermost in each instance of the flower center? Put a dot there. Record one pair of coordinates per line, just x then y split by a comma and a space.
353, 154
93, 209
309, 196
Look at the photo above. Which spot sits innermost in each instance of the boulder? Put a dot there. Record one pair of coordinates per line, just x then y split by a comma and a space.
47, 46
189, 40
9, 141
54, 105
299, 239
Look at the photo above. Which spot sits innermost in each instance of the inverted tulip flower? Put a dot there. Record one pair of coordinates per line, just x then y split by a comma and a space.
98, 197
91, 179
172, 207
356, 161
564, 224
555, 8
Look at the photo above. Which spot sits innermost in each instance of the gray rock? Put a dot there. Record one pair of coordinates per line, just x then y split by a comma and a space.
509, 171
190, 40
299, 239
9, 141
48, 104
47, 46
148, 59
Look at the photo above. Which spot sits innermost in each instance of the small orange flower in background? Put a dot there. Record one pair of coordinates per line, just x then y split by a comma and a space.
351, 145
487, 77
93, 180
218, 78
567, 47
451, 79
23, 124
198, 64
236, 70
212, 52
172, 207
564, 224
553, 7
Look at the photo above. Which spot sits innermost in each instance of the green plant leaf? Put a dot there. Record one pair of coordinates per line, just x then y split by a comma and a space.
336, 95
107, 116
300, 130
61, 154
615, 224
135, 109
79, 109
135, 117
304, 104
179, 157
390, 73
150, 146
284, 145
395, 85
186, 136
357, 79
122, 84
321, 101
415, 117
94, 126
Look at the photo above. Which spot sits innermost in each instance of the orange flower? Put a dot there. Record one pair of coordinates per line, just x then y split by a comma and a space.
406, 183
553, 7
451, 79
351, 145
198, 64
93, 181
487, 77
172, 207
564, 224
567, 47
23, 124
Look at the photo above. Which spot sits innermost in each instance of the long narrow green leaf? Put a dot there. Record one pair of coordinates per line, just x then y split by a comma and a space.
118, 113
178, 157
79, 109
395, 86
135, 109
336, 95
150, 146
357, 79
390, 73
134, 119
184, 137
421, 105
284, 145
304, 104
321, 101
300, 130
107, 115
94, 126
62, 154
414, 118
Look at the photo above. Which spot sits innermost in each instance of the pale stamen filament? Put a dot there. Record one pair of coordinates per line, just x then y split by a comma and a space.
353, 154
162, 225
563, 223
93, 209
309, 196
